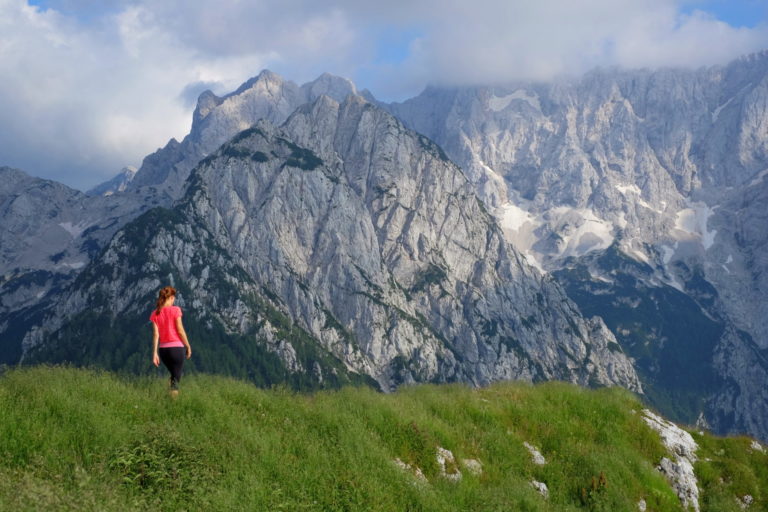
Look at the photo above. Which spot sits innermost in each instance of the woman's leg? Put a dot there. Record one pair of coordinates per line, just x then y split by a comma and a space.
173, 359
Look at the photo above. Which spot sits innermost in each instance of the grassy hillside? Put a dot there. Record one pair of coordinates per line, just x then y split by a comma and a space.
86, 440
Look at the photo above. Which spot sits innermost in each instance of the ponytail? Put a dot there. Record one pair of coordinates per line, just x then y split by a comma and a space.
163, 296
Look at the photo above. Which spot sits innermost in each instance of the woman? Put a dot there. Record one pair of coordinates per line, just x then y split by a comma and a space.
169, 331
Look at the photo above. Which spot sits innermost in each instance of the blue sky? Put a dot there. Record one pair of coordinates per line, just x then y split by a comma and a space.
94, 85
737, 13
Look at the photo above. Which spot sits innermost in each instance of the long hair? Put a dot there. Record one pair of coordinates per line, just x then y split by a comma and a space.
165, 293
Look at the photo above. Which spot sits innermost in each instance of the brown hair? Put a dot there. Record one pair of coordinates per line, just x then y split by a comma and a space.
165, 293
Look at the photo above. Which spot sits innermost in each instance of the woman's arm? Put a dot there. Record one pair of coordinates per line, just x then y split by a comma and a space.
155, 337
183, 334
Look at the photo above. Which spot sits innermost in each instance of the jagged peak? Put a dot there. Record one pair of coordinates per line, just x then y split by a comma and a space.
330, 85
368, 95
268, 74
206, 102
10, 178
118, 183
329, 78
265, 76
12, 173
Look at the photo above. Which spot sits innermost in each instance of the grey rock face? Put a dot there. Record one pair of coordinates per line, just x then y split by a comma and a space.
48, 233
659, 161
39, 217
46, 228
375, 244
666, 165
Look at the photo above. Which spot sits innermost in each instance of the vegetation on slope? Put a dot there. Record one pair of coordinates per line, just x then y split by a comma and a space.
91, 440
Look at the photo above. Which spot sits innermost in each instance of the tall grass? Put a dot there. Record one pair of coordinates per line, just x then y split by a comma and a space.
75, 439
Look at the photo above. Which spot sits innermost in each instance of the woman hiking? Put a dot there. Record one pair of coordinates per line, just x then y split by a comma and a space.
169, 331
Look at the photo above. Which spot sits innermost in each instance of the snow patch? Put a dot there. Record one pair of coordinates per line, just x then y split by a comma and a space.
716, 112
622, 220
574, 231
76, 265
636, 254
634, 189
719, 109
518, 226
626, 189
759, 178
75, 230
668, 253
581, 231
513, 217
498, 104
692, 223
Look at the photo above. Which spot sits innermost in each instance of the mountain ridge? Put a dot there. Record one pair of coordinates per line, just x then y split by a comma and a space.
355, 238
640, 161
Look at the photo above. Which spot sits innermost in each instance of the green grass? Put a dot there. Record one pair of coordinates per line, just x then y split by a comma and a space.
73, 439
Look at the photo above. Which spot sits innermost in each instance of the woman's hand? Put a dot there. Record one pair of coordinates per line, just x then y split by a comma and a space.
156, 359
189, 351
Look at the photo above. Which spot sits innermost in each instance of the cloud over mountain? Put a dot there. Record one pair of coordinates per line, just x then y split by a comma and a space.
89, 88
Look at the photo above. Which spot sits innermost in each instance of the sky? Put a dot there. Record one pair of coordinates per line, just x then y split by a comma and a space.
91, 86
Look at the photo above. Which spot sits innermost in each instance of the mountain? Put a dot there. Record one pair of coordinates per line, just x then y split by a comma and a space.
48, 234
643, 193
34, 263
624, 206
117, 184
341, 242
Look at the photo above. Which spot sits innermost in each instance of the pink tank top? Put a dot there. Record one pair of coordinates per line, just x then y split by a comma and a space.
166, 326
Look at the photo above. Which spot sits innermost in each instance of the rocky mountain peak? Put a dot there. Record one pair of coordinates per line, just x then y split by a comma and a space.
641, 191
330, 85
359, 233
10, 177
117, 184
264, 79
206, 102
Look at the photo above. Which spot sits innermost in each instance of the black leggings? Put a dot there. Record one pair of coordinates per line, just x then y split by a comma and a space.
173, 359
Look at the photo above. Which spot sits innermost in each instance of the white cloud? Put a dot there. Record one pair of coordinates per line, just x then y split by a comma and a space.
77, 105
93, 86
502, 41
